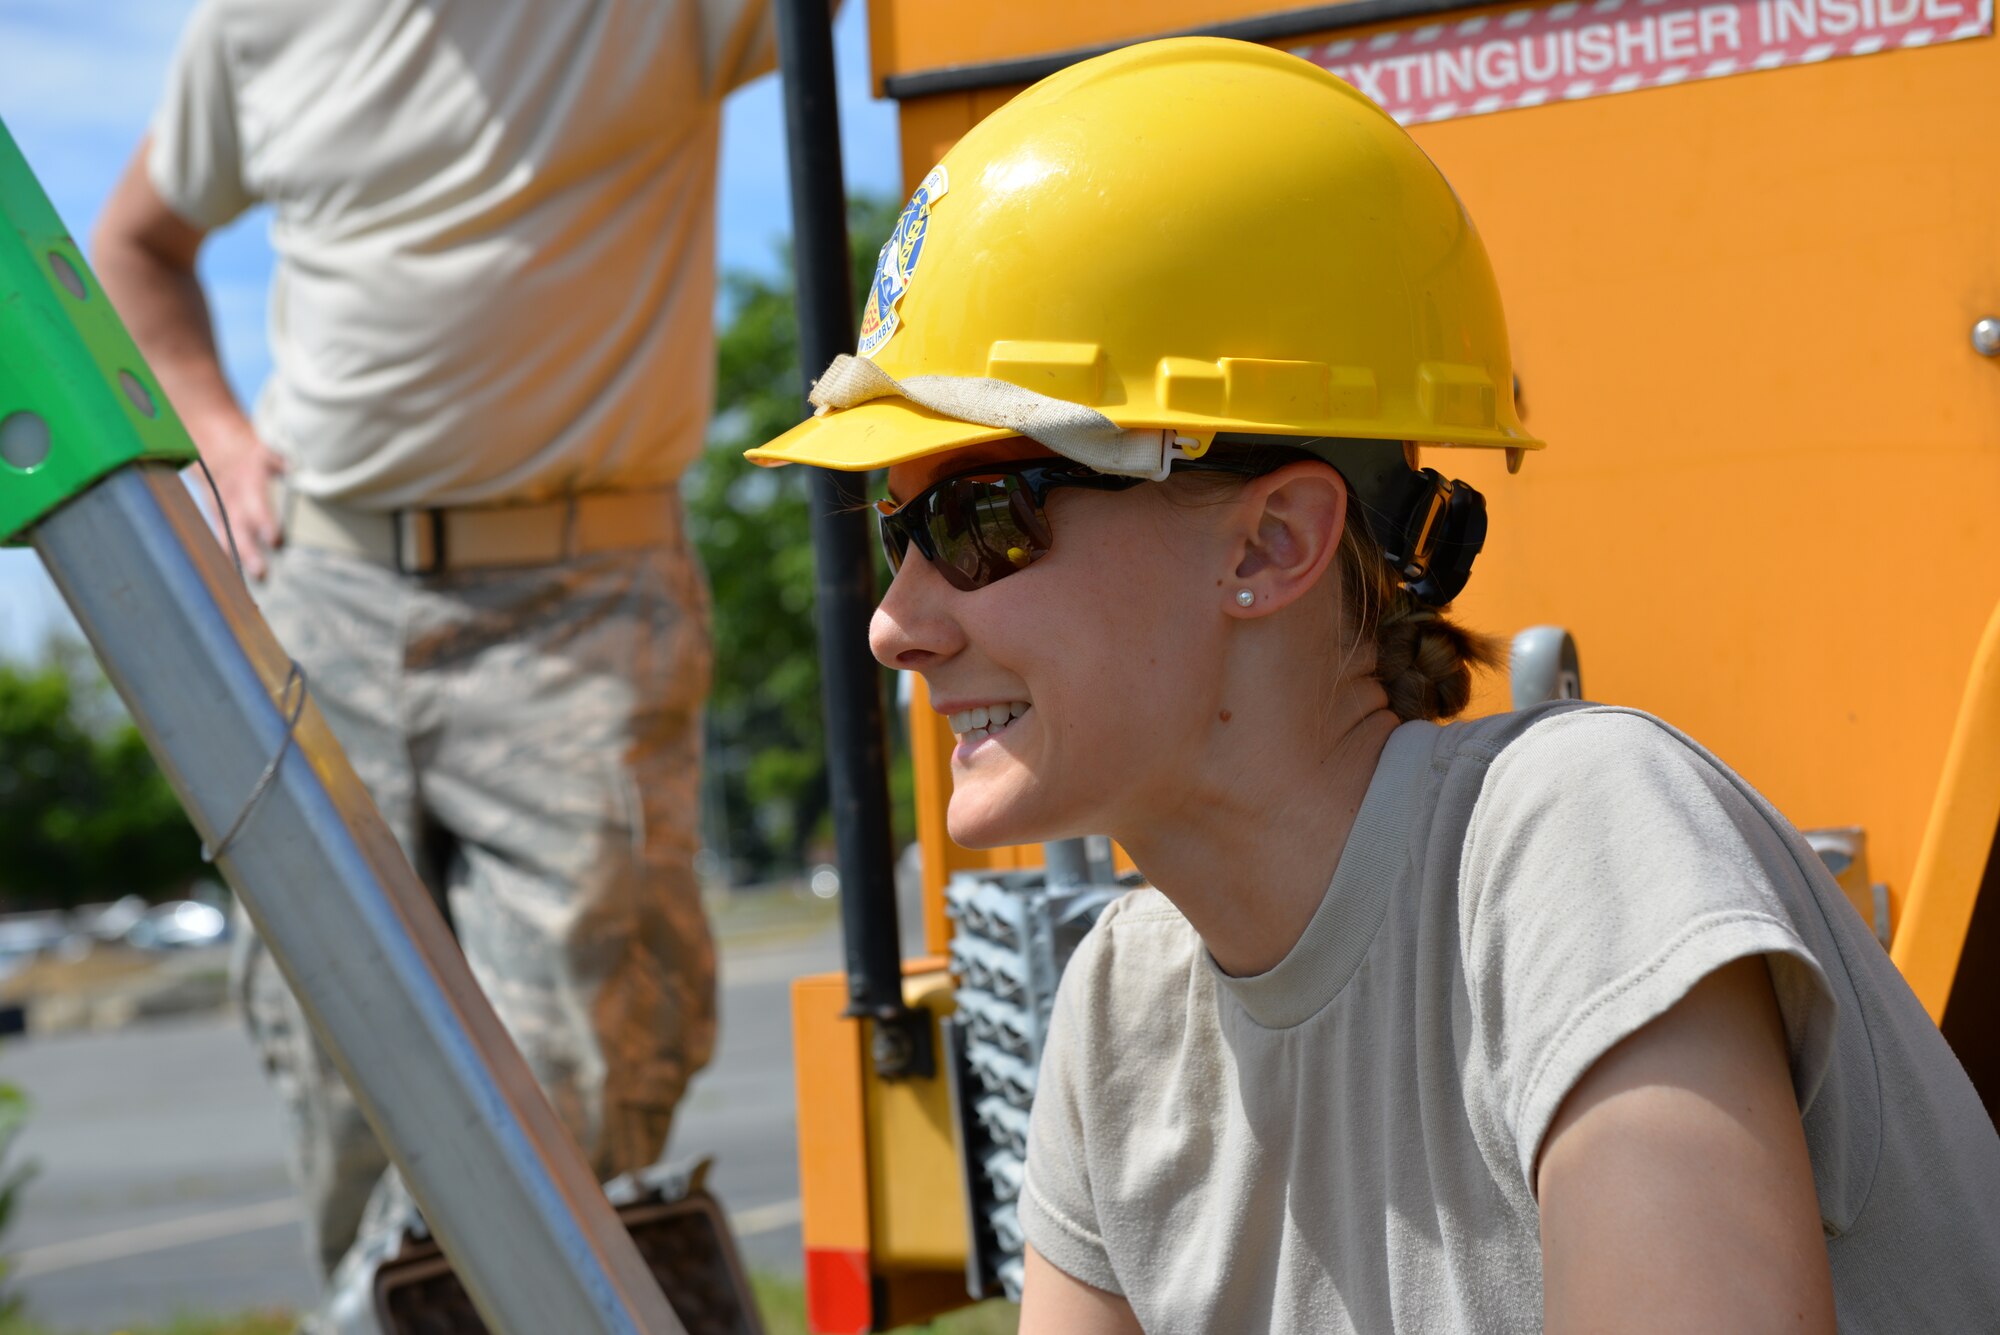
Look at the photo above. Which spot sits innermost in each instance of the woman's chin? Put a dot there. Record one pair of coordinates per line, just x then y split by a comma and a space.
976, 823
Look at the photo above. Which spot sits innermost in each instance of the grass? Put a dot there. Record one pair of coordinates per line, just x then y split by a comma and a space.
782, 1301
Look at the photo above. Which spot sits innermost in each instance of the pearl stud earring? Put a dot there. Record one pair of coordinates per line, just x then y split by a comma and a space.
1244, 597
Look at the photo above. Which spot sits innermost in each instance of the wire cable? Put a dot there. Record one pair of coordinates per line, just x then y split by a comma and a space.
295, 675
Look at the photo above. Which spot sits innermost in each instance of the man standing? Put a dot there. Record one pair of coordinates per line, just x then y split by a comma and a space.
491, 333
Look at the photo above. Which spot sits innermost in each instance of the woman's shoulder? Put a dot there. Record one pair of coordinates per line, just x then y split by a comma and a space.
1560, 801
1139, 934
1140, 954
1593, 762
1566, 733
1141, 910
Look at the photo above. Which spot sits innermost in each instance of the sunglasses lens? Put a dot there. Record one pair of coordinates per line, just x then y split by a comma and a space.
974, 529
985, 529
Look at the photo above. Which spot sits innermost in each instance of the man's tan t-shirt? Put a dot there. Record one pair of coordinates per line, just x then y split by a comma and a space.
494, 224
1346, 1142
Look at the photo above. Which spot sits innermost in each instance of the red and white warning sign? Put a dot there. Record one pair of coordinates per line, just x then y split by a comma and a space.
1592, 48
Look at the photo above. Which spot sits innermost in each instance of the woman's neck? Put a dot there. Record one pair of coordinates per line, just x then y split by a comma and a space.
1248, 854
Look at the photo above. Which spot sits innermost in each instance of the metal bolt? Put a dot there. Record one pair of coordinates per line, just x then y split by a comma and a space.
1986, 337
892, 1051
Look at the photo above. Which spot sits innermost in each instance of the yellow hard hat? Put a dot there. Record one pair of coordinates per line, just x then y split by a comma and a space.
1183, 238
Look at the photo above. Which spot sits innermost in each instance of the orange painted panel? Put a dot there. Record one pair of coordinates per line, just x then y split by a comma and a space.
929, 128
827, 1059
1740, 312
916, 1211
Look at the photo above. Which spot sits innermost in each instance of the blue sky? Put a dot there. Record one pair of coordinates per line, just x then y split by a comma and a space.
79, 84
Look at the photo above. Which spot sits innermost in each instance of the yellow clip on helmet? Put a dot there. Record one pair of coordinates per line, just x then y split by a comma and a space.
1195, 235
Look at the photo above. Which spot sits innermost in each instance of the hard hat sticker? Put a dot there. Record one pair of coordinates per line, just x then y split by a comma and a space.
897, 264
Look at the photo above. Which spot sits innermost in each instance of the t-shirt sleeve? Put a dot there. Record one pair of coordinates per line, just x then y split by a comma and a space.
195, 158
739, 40
1057, 1212
1608, 868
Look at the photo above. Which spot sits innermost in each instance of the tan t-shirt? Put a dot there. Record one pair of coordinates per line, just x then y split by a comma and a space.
1345, 1143
494, 224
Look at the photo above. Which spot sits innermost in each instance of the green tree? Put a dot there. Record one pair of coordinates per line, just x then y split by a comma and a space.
84, 812
766, 746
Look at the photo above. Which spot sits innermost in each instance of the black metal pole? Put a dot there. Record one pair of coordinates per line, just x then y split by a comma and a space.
844, 582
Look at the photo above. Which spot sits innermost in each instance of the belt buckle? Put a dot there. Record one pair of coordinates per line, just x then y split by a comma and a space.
419, 541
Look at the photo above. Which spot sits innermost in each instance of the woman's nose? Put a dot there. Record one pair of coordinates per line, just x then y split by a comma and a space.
913, 628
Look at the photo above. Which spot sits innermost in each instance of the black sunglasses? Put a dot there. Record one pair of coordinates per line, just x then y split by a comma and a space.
986, 523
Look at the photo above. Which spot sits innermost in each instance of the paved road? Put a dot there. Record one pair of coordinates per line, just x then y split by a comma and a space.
163, 1185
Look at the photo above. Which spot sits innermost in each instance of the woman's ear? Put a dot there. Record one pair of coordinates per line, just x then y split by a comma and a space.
1292, 520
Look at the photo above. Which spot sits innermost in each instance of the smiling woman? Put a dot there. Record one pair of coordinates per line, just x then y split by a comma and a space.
1540, 1019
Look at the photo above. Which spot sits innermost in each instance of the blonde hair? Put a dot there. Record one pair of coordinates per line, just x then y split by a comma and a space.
1423, 658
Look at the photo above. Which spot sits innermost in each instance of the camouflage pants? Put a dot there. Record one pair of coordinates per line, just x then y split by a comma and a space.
533, 739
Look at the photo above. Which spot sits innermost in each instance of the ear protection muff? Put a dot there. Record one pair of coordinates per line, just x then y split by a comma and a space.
1442, 530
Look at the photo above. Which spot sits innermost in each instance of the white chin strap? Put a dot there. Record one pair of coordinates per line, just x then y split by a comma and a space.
1070, 429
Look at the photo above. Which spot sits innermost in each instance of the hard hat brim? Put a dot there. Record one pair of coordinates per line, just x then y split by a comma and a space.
870, 436
889, 431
